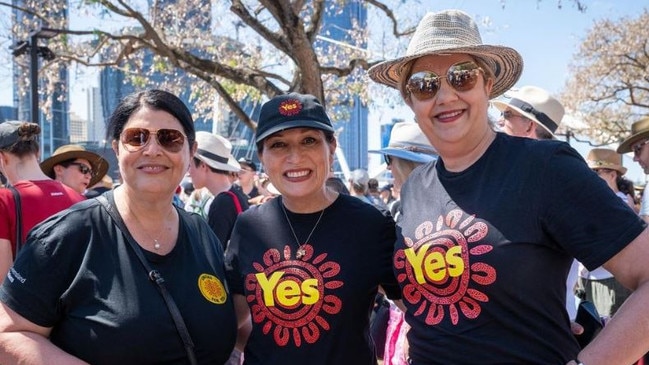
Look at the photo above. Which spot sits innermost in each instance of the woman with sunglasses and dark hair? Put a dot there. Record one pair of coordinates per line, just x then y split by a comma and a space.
488, 232
125, 278
40, 196
305, 266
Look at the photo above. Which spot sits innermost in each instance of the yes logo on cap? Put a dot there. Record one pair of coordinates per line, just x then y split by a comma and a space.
290, 107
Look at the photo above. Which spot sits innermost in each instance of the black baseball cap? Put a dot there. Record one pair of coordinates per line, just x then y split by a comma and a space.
291, 111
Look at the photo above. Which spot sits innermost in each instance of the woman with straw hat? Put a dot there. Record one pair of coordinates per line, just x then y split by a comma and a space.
489, 231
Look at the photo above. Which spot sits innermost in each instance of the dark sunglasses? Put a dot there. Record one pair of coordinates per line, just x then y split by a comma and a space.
387, 159
82, 168
461, 76
134, 139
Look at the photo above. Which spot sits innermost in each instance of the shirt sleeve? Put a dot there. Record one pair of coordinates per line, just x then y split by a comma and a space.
581, 213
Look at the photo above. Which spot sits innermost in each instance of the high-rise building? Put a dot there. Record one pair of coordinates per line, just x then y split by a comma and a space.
54, 129
96, 129
353, 134
114, 83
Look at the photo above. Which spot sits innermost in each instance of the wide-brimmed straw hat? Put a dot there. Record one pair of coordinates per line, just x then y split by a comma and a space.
535, 104
215, 151
448, 32
639, 131
604, 158
408, 142
98, 164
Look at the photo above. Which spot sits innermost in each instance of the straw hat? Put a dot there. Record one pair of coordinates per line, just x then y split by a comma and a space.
72, 152
603, 158
639, 131
215, 151
408, 142
452, 31
535, 104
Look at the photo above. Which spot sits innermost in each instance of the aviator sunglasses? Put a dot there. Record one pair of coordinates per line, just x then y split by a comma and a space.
461, 76
134, 139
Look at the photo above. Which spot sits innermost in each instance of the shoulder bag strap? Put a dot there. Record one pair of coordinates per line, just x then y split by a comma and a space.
19, 219
237, 204
154, 276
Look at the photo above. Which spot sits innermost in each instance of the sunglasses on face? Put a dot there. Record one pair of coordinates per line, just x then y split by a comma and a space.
134, 139
509, 115
387, 159
461, 76
82, 168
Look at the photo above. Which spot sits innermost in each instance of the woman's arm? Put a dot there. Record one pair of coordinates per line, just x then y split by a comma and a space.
23, 342
625, 338
244, 321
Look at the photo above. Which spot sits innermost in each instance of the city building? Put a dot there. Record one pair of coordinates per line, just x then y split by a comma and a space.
55, 128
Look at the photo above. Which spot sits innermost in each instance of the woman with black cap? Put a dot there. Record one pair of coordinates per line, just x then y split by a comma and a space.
305, 267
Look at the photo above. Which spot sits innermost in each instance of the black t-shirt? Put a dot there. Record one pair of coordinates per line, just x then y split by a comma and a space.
313, 310
78, 274
223, 213
483, 254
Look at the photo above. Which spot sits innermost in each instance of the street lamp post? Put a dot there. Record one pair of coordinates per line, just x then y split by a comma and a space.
34, 51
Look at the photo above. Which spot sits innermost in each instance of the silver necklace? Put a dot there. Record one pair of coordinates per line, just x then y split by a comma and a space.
156, 244
300, 249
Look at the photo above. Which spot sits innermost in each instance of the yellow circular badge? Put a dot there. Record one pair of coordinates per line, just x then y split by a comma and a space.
212, 289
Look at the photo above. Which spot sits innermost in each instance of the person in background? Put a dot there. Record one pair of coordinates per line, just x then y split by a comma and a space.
306, 266
496, 293
99, 188
358, 185
336, 184
247, 177
373, 193
637, 143
408, 148
75, 167
40, 196
89, 297
599, 285
530, 112
386, 195
212, 168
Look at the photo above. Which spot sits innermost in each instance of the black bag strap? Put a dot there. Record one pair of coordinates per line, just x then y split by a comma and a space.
154, 276
19, 219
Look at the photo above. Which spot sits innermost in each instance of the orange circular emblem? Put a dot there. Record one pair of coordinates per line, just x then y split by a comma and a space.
212, 289
290, 107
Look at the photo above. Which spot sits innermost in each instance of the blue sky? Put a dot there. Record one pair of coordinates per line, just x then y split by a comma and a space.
546, 36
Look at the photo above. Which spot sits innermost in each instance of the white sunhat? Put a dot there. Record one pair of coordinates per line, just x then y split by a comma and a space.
215, 151
535, 104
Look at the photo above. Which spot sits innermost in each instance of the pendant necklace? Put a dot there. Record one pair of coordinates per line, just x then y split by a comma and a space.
300, 249
156, 244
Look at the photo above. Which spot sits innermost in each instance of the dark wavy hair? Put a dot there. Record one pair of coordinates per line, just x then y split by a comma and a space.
156, 100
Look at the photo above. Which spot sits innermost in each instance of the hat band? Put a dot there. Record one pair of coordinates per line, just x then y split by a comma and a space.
540, 116
212, 156
412, 148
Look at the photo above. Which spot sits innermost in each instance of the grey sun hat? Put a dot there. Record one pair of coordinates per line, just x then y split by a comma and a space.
408, 142
448, 32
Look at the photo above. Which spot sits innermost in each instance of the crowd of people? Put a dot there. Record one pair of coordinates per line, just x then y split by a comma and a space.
477, 247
